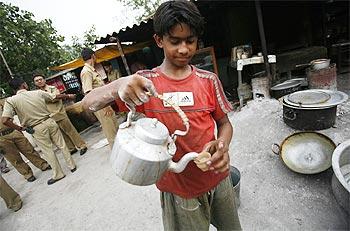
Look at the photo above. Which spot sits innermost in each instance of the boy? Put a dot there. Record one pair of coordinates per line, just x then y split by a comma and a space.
193, 199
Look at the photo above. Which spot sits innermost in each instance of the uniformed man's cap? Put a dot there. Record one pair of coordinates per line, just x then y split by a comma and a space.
86, 53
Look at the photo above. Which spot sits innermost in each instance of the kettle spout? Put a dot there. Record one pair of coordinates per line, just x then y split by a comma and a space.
181, 165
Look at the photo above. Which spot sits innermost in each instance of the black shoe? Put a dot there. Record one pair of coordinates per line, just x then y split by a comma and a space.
31, 179
74, 169
47, 168
15, 209
73, 151
5, 170
52, 181
82, 151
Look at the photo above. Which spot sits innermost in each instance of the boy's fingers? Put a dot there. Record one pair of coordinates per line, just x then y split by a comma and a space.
150, 87
221, 144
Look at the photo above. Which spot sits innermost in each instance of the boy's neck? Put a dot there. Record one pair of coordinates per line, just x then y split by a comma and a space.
175, 72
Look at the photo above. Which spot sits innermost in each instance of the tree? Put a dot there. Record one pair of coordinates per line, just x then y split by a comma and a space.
147, 6
28, 46
73, 51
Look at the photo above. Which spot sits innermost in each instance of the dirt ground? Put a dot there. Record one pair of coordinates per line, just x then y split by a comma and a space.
272, 197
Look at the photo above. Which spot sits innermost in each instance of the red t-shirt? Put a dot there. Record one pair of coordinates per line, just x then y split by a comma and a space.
207, 105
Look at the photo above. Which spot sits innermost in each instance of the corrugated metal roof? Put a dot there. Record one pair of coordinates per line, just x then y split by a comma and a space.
137, 33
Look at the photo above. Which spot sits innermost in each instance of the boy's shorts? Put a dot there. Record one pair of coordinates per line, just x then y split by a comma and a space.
216, 207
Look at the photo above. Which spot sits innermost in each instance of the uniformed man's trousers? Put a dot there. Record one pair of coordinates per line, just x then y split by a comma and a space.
46, 134
109, 125
14, 143
12, 199
70, 134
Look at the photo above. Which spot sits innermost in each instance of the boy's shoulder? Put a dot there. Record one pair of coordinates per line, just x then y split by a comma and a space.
205, 74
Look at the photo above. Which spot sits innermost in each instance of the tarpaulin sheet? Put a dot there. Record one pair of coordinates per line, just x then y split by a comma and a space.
108, 52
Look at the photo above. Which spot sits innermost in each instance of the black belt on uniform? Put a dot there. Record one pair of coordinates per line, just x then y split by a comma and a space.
6, 131
40, 122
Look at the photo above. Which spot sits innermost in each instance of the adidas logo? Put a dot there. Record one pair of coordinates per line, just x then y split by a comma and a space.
185, 99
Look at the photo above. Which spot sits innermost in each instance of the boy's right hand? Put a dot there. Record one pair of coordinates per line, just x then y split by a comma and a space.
134, 88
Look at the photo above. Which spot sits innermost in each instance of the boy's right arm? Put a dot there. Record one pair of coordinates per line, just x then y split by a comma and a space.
131, 90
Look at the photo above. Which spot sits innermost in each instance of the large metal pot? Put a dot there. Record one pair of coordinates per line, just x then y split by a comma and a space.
309, 118
285, 88
341, 176
306, 152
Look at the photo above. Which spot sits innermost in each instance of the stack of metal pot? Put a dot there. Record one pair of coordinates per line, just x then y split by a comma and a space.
313, 109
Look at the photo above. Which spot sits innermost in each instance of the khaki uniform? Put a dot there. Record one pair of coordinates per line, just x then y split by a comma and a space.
31, 109
12, 199
58, 113
113, 75
15, 142
90, 79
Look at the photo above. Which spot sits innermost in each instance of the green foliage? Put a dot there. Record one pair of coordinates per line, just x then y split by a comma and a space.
148, 7
73, 51
28, 46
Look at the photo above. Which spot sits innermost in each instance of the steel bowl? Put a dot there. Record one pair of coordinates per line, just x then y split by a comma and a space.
306, 152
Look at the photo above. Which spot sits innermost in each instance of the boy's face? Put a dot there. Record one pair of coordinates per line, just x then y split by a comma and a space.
179, 45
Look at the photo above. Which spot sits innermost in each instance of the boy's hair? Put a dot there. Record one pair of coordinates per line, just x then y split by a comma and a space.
15, 83
86, 53
172, 13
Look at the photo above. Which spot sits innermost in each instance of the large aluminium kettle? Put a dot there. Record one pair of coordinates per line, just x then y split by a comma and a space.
143, 149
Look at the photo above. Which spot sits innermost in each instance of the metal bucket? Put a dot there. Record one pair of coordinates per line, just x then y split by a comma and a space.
236, 183
325, 78
261, 88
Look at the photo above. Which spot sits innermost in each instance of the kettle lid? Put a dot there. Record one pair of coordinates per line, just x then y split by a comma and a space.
151, 131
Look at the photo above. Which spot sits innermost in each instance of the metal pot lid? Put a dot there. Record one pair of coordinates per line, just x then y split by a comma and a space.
151, 131
307, 152
308, 97
286, 85
303, 108
303, 81
316, 98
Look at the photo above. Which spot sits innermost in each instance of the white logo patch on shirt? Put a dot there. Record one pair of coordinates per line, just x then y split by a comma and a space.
179, 98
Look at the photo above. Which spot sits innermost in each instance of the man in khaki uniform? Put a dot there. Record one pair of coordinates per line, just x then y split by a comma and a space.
31, 110
12, 199
111, 73
12, 142
90, 79
58, 113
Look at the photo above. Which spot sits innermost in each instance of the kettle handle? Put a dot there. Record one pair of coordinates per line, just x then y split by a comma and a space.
182, 115
129, 117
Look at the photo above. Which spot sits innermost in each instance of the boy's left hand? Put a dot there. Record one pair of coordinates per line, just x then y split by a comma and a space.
220, 159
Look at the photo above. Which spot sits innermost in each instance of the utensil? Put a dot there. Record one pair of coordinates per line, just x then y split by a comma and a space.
285, 88
306, 152
341, 176
316, 64
143, 150
304, 118
316, 98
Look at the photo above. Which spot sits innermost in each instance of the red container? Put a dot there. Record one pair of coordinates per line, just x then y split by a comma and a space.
325, 78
